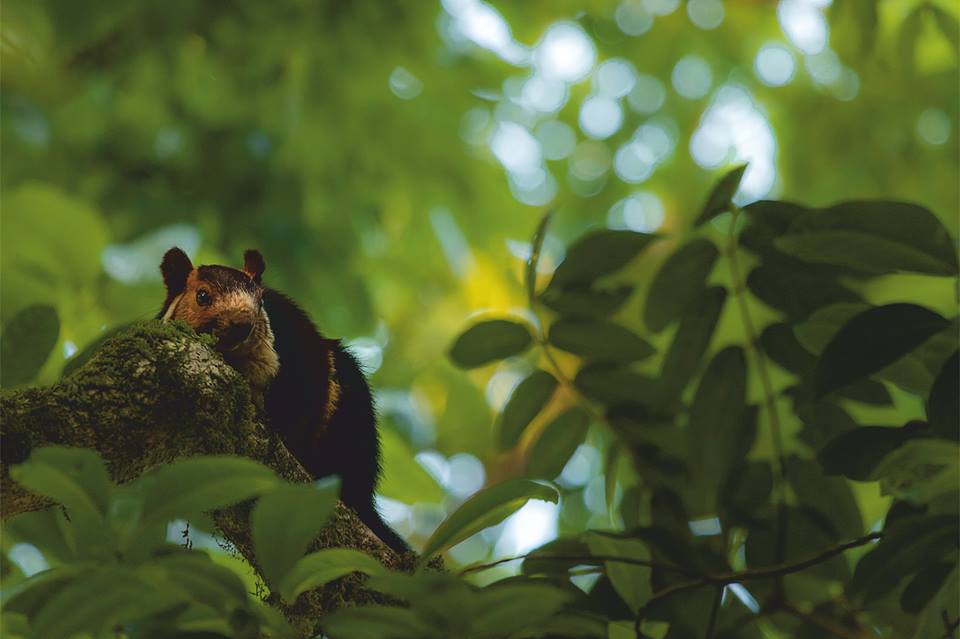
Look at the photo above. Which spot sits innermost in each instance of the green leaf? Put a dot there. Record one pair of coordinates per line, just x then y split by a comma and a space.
871, 341
920, 470
489, 341
508, 608
690, 342
536, 244
948, 26
27, 340
768, 220
28, 597
285, 521
91, 349
42, 529
930, 620
191, 486
527, 400
610, 384
599, 253
557, 443
943, 405
908, 546
715, 433
632, 582
910, 29
678, 283
831, 497
873, 236
857, 452
747, 488
486, 508
599, 341
924, 586
794, 291
195, 577
77, 479
98, 602
584, 301
323, 566
720, 197
367, 622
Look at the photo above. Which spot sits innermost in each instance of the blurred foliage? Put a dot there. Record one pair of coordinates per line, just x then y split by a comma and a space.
392, 160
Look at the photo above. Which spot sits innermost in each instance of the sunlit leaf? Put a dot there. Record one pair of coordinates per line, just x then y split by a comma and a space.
873, 236
720, 197
404, 479
26, 342
871, 341
487, 508
489, 341
557, 443
679, 281
631, 581
948, 25
324, 566
525, 403
599, 253
920, 470
599, 341
285, 520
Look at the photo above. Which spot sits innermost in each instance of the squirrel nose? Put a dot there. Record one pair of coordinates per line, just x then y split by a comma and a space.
238, 332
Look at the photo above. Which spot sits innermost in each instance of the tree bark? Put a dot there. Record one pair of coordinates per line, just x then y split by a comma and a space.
156, 393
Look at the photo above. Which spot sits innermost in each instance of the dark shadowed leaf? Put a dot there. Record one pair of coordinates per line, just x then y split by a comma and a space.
943, 405
584, 301
610, 384
557, 443
781, 346
924, 586
690, 342
527, 400
536, 244
857, 452
599, 253
806, 537
822, 422
599, 341
285, 520
747, 489
719, 199
908, 546
508, 608
489, 341
486, 508
873, 236
714, 432
632, 582
26, 342
873, 340
324, 566
830, 497
794, 291
678, 282
536, 562
768, 220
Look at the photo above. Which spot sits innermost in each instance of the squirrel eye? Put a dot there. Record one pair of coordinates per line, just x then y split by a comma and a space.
203, 298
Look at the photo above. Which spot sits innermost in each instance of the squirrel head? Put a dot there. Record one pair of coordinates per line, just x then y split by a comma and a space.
222, 301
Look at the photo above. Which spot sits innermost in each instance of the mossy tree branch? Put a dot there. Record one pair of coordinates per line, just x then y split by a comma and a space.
151, 395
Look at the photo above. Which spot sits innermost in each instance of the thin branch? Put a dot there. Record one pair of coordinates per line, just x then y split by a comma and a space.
779, 570
580, 559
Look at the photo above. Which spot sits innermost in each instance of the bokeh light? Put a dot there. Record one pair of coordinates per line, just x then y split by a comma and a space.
774, 65
640, 211
804, 25
633, 18
705, 14
557, 139
933, 126
615, 78
600, 117
647, 95
691, 77
565, 53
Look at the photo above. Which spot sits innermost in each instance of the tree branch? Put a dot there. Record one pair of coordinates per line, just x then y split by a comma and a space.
156, 393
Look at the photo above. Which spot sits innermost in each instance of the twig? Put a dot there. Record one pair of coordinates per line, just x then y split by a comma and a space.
778, 570
588, 559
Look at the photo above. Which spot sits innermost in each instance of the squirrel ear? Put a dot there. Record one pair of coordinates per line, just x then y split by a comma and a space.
176, 266
253, 264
